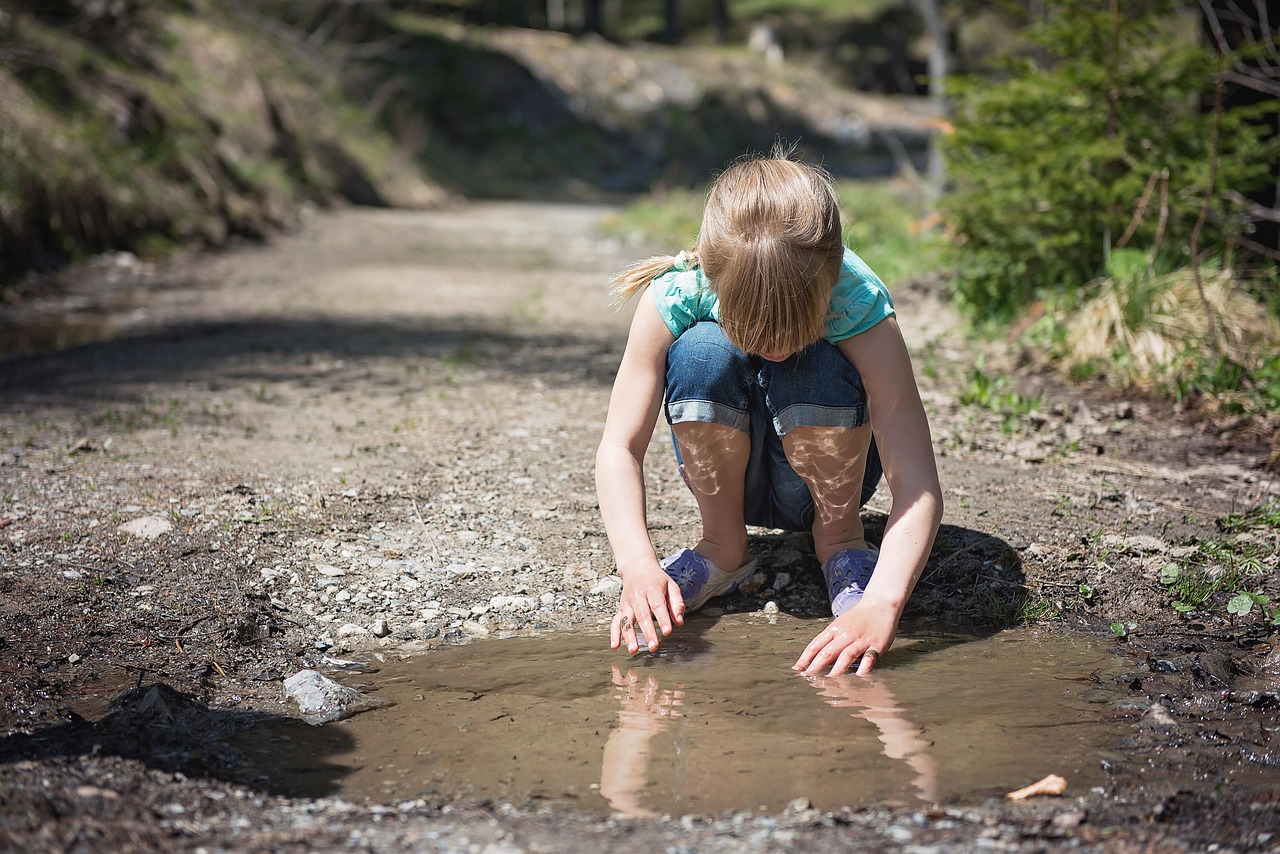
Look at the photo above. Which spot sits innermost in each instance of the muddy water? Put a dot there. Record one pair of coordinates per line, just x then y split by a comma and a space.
715, 721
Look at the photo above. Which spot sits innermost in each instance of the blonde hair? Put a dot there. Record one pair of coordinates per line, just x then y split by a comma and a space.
771, 246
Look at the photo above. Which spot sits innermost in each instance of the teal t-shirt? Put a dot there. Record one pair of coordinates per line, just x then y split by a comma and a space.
858, 302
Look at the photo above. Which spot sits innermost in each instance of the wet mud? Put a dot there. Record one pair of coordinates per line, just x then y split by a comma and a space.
714, 721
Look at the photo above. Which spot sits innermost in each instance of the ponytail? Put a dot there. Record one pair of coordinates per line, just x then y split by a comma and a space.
637, 277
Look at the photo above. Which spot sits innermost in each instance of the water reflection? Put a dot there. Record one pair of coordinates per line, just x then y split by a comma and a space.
714, 721
648, 710
874, 702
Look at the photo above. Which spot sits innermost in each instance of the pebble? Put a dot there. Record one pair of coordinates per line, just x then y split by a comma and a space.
474, 629
321, 700
379, 629
611, 586
329, 571
147, 527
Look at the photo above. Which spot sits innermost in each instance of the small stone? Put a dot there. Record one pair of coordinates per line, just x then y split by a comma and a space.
321, 700
770, 607
474, 629
147, 527
350, 629
611, 586
329, 571
73, 658
782, 581
324, 642
754, 584
379, 629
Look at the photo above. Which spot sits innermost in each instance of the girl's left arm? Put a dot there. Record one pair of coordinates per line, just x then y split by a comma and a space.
901, 431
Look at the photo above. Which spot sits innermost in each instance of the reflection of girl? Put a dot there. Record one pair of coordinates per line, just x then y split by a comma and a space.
624, 769
901, 738
778, 353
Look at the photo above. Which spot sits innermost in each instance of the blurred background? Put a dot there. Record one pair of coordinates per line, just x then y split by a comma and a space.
1095, 181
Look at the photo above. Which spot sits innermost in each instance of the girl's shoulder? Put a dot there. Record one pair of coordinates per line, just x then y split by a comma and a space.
859, 301
684, 297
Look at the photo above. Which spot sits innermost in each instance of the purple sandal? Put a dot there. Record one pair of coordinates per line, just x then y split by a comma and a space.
847, 574
699, 579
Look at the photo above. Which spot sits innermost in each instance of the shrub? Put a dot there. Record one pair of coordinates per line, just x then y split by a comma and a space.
1101, 139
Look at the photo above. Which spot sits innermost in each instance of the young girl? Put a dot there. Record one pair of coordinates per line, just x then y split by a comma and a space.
778, 355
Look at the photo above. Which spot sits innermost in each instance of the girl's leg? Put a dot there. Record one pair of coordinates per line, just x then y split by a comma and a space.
832, 462
708, 407
714, 460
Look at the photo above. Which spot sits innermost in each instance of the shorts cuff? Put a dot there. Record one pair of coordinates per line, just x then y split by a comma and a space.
814, 415
708, 412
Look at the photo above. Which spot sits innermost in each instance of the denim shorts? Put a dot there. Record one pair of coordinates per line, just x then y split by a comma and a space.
710, 380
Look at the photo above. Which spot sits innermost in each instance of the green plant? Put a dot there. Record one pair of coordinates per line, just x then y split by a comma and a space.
1093, 142
1235, 571
1122, 630
996, 395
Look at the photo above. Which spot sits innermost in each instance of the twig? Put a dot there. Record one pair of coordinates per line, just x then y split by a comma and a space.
1218, 85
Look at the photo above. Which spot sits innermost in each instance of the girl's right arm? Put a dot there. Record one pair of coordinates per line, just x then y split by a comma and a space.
647, 593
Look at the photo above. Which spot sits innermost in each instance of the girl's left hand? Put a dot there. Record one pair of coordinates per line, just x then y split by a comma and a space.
866, 631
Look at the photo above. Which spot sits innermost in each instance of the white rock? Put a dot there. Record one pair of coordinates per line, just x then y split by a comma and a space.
329, 571
321, 700
379, 629
349, 629
476, 630
611, 586
147, 527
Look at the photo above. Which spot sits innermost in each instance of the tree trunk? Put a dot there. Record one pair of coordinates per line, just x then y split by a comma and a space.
935, 26
720, 19
671, 34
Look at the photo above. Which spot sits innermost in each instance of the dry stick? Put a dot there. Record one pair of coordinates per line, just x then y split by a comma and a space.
1218, 85
1140, 212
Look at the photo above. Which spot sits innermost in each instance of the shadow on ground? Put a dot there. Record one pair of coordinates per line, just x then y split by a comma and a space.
259, 351
167, 730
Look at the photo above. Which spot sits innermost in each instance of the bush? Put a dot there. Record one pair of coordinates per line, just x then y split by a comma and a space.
1100, 140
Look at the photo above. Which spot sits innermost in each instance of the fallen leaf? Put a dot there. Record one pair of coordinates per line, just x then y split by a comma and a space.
1051, 785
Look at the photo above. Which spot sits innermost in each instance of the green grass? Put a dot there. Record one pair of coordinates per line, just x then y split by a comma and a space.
1236, 573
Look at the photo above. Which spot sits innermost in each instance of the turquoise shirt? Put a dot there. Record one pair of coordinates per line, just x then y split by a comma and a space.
858, 302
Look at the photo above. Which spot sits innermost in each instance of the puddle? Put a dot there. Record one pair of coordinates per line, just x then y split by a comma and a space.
715, 721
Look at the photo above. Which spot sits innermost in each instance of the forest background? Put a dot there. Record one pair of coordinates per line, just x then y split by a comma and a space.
1094, 183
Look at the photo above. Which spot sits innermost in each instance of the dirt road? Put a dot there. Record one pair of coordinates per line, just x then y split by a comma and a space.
375, 436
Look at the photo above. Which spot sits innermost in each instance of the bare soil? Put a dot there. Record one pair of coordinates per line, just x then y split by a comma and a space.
374, 436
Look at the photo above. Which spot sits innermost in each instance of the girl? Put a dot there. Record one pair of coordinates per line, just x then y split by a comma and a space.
778, 355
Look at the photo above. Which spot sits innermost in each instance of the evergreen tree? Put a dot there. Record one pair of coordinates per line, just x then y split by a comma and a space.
1098, 139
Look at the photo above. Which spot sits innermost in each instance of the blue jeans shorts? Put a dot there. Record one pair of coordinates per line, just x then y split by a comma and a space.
710, 380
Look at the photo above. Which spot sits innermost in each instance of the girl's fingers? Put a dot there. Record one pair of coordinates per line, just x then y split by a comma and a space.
843, 661
677, 602
815, 645
658, 605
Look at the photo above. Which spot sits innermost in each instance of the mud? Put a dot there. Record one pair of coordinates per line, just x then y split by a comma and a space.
374, 438
714, 721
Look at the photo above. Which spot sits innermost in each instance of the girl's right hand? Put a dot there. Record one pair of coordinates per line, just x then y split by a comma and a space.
647, 597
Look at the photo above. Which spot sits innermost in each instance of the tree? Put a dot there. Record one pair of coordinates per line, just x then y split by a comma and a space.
1095, 142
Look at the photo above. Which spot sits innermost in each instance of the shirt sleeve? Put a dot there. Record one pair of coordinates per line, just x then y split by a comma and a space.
683, 299
858, 302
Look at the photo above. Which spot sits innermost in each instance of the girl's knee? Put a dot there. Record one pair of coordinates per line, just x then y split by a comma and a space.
702, 364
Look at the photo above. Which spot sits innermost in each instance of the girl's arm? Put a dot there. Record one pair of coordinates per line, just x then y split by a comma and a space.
902, 436
647, 592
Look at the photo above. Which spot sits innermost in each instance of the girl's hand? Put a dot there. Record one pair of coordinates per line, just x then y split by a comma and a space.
866, 631
646, 597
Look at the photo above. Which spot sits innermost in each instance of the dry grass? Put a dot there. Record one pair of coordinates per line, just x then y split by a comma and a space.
1138, 331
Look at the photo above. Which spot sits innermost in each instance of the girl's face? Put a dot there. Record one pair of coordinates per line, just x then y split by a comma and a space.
776, 357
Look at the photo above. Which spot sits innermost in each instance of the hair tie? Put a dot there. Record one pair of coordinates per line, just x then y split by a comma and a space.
684, 261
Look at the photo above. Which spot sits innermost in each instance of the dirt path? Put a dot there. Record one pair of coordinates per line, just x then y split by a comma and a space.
375, 436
